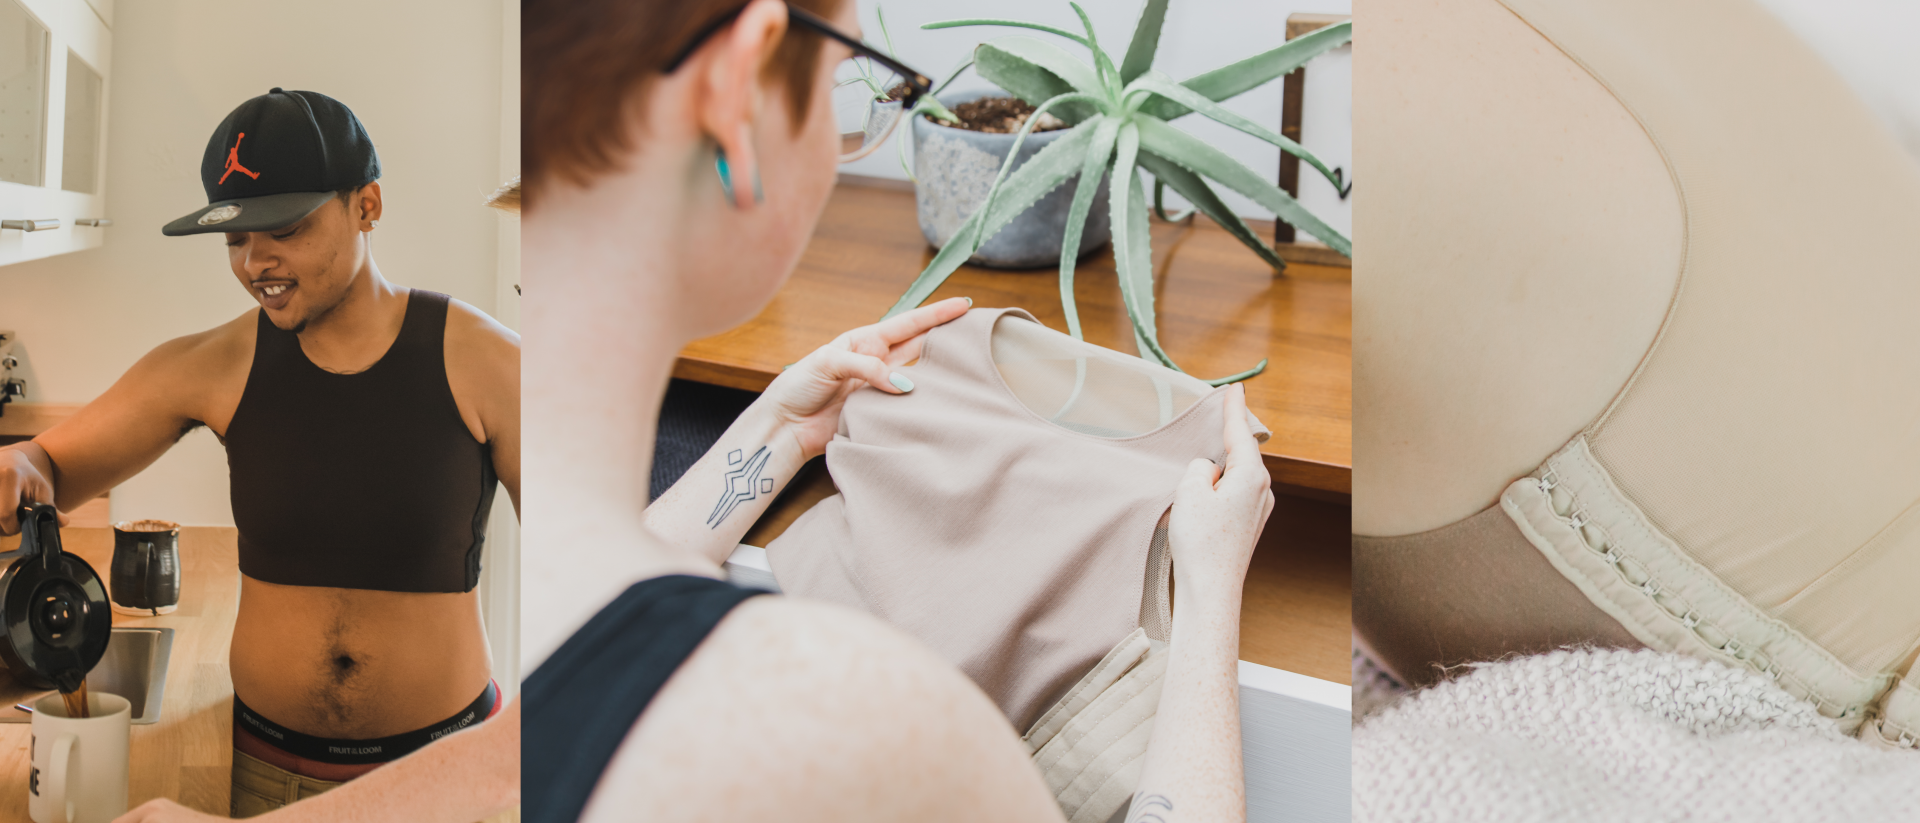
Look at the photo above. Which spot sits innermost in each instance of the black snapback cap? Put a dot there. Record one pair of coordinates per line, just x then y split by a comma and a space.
275, 159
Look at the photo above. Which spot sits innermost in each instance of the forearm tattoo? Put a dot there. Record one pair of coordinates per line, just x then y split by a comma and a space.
1152, 808
742, 483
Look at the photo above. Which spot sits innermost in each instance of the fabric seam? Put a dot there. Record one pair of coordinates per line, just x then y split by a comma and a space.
1784, 641
1686, 224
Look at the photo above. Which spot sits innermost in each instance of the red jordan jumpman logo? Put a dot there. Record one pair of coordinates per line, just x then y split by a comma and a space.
233, 161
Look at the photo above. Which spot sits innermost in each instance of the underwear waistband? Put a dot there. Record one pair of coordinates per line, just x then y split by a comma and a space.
361, 752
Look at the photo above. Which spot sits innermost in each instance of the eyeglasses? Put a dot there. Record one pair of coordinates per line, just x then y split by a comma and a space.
871, 91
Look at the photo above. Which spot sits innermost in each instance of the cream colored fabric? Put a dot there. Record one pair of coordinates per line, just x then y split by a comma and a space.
259, 787
1601, 541
1763, 464
998, 513
1426, 604
1092, 745
1898, 726
1520, 242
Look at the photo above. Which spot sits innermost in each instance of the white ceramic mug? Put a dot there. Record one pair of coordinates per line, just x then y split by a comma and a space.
79, 772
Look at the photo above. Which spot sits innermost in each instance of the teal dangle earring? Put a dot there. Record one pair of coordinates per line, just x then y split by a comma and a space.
726, 179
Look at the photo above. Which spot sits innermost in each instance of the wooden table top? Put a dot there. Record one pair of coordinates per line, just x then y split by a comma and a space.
1221, 310
187, 755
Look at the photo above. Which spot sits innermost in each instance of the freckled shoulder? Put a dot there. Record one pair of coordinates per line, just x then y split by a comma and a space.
784, 681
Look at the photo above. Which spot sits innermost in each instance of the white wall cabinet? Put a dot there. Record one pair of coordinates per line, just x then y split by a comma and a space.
55, 65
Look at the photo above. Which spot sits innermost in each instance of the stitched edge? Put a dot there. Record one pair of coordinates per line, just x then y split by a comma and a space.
1126, 653
1898, 724
1115, 790
1075, 782
1572, 513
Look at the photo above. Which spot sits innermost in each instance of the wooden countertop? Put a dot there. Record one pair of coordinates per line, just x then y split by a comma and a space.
187, 755
1221, 310
1296, 609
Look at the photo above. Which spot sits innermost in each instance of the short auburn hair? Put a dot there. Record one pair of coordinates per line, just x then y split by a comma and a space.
585, 64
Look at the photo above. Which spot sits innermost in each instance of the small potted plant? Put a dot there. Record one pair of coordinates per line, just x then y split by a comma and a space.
960, 141
1116, 123
954, 168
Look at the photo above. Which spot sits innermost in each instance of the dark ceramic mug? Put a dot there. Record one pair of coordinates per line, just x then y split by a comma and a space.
145, 578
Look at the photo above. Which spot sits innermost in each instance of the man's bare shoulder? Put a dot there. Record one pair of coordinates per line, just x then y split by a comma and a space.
483, 367
468, 326
181, 383
215, 354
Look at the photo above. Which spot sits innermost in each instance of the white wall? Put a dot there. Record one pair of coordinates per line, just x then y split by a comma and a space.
500, 571
1199, 36
1870, 44
426, 78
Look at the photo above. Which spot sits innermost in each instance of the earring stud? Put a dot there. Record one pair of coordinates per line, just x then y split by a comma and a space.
726, 180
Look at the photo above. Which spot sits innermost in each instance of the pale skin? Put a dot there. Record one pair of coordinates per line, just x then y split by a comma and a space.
286, 637
792, 709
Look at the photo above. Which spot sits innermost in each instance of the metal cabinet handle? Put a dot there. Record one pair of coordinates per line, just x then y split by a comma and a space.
100, 222
30, 225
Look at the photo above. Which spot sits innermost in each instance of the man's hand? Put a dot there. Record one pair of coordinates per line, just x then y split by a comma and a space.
807, 397
1218, 514
23, 480
162, 810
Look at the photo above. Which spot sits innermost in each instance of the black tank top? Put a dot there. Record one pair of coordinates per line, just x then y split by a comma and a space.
359, 481
582, 701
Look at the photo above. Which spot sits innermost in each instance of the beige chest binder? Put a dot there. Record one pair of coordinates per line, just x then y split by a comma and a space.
1752, 494
1008, 512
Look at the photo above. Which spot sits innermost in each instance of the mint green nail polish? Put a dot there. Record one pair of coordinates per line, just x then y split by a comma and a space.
969, 301
900, 382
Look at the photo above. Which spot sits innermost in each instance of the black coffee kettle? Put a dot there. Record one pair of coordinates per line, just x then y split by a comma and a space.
54, 618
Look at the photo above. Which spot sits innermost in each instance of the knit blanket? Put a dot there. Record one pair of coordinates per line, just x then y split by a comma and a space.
1609, 735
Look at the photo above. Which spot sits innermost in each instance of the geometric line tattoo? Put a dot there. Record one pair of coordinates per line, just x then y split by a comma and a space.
1149, 808
742, 483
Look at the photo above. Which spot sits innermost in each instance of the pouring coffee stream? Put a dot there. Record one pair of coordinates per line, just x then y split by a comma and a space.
54, 618
76, 701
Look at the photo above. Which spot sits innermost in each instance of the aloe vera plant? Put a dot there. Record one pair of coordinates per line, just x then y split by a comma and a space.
878, 91
1118, 116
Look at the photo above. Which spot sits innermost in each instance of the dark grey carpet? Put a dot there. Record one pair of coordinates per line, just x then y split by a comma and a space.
692, 418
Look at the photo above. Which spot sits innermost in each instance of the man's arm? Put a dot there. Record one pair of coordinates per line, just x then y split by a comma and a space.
483, 368
179, 385
25, 477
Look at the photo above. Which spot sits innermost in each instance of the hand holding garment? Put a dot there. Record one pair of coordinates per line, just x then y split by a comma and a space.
1005, 512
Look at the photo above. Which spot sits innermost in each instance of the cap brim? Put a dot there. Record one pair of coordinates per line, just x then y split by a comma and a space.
273, 211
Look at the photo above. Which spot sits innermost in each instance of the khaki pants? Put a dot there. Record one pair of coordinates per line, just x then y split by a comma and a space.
259, 787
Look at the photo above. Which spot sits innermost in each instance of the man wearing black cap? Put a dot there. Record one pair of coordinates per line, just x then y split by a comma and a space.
366, 425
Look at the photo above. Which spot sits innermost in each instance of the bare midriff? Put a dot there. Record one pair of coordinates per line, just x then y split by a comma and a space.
355, 664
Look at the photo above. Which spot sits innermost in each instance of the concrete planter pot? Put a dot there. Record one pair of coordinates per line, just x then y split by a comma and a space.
956, 167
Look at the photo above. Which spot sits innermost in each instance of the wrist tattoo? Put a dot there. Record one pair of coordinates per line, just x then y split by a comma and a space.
1151, 808
742, 483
